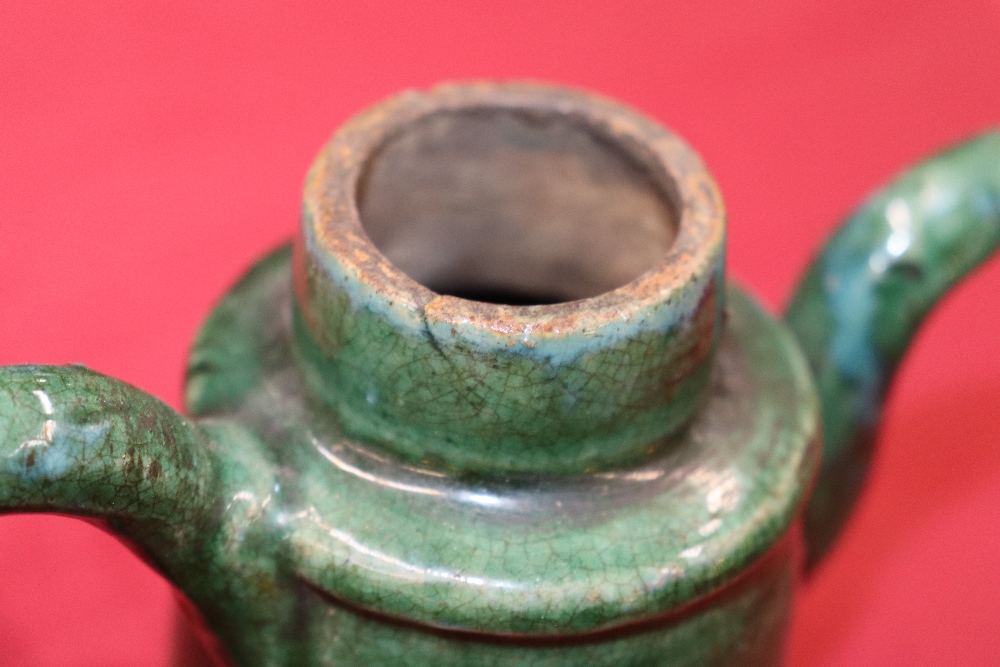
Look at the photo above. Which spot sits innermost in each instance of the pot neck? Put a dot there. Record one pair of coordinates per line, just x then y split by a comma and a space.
600, 233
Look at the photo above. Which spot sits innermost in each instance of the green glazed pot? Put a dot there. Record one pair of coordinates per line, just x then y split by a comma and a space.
498, 405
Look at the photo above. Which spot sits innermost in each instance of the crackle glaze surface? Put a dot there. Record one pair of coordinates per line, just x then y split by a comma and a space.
524, 555
377, 474
491, 389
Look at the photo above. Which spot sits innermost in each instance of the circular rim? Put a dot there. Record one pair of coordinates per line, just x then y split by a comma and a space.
330, 199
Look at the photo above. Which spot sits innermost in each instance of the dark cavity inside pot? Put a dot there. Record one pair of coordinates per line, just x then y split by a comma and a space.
514, 206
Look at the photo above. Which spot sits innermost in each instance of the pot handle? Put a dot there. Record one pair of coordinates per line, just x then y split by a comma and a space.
864, 296
77, 442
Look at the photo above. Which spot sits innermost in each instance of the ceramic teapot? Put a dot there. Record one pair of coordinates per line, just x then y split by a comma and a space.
498, 405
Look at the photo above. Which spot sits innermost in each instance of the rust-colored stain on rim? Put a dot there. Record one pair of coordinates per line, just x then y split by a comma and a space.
695, 253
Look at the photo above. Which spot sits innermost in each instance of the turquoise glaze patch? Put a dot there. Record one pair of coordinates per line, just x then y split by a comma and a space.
867, 292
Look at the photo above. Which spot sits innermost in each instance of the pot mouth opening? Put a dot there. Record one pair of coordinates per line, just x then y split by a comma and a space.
515, 206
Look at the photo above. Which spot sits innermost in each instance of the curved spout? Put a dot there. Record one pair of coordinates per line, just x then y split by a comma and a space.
194, 498
76, 442
866, 294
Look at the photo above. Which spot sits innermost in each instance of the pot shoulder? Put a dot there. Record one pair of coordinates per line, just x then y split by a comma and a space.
519, 555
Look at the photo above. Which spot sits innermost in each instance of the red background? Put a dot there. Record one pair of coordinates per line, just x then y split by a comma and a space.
148, 152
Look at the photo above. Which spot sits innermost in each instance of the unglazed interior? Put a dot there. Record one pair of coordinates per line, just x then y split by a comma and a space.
514, 206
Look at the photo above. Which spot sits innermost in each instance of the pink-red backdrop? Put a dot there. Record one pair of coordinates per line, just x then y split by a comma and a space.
149, 151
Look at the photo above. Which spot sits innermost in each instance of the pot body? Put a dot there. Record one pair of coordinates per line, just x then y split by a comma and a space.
690, 558
499, 405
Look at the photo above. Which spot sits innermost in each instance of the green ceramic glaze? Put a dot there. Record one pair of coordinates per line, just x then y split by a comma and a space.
496, 389
378, 472
526, 555
866, 294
